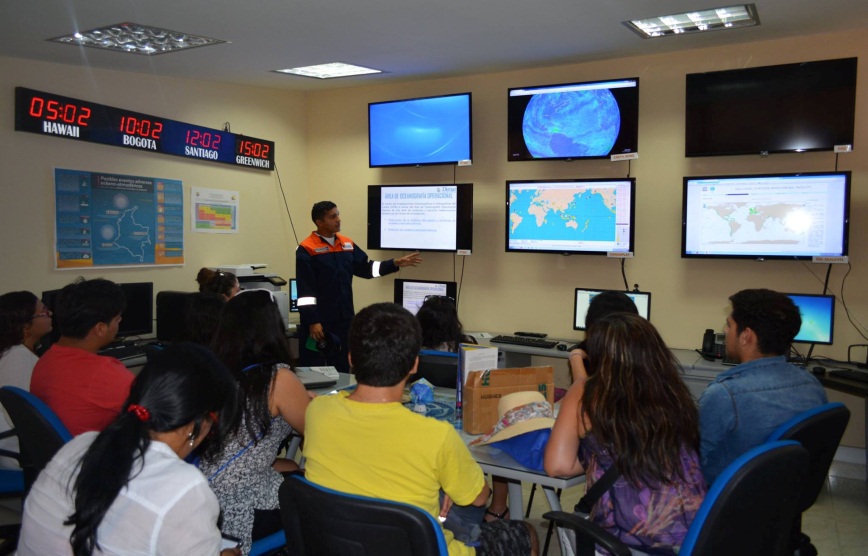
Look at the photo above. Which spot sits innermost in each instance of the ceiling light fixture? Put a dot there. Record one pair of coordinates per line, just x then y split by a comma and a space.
329, 71
136, 39
715, 19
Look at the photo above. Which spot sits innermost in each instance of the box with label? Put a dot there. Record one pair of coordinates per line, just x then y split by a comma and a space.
483, 391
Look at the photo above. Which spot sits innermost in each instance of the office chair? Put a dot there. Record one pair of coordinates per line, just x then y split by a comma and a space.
40, 431
11, 488
268, 545
748, 510
819, 430
322, 522
440, 368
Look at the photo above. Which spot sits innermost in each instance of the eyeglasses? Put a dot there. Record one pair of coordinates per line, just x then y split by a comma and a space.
427, 297
45, 313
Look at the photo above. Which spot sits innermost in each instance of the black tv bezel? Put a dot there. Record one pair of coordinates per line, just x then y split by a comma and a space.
626, 292
469, 96
756, 257
514, 117
129, 287
451, 288
464, 225
575, 252
769, 75
832, 321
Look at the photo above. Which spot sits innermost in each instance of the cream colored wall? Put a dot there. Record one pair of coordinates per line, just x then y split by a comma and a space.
505, 292
28, 162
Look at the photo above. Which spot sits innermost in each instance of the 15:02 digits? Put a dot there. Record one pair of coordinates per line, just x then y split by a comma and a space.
255, 149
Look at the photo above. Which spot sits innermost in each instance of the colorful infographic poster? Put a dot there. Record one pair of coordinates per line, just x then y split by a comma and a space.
113, 220
214, 211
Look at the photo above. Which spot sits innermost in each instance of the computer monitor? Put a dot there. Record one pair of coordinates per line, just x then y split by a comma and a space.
411, 294
642, 300
818, 317
137, 318
293, 295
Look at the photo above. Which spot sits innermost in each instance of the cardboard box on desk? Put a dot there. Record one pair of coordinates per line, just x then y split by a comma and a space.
483, 391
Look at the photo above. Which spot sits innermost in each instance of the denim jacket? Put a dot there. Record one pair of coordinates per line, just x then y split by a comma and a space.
743, 405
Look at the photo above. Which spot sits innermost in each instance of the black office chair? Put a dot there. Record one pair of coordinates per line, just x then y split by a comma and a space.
440, 368
322, 522
40, 432
12, 489
748, 510
819, 430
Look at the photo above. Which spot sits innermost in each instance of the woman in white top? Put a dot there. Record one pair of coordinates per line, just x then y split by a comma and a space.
24, 320
127, 489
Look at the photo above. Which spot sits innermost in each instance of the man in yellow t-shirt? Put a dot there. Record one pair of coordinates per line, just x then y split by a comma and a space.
367, 443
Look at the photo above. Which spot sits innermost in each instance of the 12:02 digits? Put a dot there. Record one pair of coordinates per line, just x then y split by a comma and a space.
204, 139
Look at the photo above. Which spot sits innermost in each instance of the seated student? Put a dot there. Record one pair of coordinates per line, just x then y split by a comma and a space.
24, 320
201, 316
218, 282
366, 442
246, 474
86, 390
441, 329
743, 405
128, 490
632, 412
602, 305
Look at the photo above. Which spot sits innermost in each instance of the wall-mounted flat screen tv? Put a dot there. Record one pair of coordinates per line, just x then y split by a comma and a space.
809, 106
420, 131
581, 216
573, 121
421, 217
769, 216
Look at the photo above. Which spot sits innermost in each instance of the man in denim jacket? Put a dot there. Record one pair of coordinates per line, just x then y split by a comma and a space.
746, 403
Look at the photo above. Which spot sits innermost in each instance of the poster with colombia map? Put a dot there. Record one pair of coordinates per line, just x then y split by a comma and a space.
113, 220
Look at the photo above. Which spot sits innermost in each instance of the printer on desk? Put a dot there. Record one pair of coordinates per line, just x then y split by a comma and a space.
250, 278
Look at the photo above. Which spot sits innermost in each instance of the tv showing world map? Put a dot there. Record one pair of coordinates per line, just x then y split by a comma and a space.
579, 216
594, 119
771, 216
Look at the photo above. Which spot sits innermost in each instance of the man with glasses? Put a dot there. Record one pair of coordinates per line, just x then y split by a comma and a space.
325, 263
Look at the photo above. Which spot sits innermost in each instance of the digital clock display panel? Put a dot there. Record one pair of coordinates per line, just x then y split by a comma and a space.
59, 116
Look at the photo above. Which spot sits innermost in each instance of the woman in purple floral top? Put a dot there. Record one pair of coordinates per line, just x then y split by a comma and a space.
630, 409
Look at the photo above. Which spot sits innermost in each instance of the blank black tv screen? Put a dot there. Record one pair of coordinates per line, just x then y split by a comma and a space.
766, 216
420, 131
809, 106
594, 119
436, 217
138, 316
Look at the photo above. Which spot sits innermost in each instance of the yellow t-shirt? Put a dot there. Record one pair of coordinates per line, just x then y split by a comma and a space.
387, 451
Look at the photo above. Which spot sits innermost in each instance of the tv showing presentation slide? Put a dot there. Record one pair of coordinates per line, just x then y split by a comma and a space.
420, 217
411, 294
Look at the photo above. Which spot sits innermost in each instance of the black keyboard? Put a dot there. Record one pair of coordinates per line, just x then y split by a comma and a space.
850, 374
524, 341
124, 352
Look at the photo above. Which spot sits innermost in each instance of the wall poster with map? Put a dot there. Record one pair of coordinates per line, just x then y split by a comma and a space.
113, 220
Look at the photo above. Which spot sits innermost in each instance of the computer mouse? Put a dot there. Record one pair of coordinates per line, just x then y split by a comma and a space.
562, 347
818, 370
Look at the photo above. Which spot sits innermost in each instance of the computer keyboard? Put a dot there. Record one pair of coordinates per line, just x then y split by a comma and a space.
524, 341
850, 374
124, 352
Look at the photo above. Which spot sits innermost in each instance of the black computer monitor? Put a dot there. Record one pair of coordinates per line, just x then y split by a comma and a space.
411, 294
818, 317
138, 316
642, 300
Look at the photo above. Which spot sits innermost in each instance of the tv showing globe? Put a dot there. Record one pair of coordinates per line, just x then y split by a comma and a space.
595, 119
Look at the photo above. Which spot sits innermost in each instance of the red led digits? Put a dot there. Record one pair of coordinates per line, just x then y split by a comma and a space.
207, 140
253, 148
141, 127
55, 111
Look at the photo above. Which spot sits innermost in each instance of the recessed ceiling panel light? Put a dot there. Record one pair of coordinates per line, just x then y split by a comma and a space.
329, 71
136, 39
697, 21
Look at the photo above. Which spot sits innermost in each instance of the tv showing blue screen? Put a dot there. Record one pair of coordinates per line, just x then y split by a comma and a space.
818, 317
596, 119
420, 131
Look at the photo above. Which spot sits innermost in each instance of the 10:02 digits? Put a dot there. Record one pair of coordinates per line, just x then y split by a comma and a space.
149, 129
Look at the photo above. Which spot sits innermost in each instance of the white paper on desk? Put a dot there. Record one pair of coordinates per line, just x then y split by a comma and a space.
477, 358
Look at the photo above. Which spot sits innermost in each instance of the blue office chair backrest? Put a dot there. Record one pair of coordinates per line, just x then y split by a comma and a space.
751, 505
322, 522
819, 430
440, 368
40, 432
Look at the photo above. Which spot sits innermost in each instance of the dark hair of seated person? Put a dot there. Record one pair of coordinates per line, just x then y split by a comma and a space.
184, 384
604, 304
635, 401
216, 281
201, 316
250, 339
772, 316
438, 318
385, 340
16, 313
83, 304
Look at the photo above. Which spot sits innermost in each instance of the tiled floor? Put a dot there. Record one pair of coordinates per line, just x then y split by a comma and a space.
837, 523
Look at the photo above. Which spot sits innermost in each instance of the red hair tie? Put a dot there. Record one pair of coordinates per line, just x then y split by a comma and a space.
142, 413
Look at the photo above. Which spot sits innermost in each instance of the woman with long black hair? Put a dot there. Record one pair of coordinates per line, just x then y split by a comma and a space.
127, 490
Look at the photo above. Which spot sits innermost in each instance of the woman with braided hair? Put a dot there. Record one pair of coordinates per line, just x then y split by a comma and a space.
127, 490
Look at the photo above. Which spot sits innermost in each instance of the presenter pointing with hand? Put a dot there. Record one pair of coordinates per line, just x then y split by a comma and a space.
325, 263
